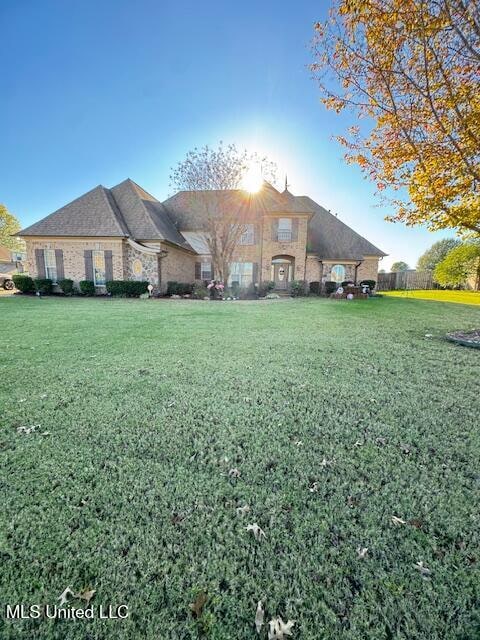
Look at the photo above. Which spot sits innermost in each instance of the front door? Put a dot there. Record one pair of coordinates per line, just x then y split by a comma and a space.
280, 275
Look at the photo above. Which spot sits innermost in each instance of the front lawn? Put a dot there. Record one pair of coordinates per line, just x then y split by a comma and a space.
336, 416
461, 297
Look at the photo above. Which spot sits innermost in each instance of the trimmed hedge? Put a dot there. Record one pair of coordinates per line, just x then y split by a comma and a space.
87, 287
43, 285
298, 288
66, 285
23, 283
175, 288
330, 287
315, 288
126, 288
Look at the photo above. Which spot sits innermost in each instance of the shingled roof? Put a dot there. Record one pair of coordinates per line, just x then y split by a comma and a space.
127, 210
332, 239
124, 211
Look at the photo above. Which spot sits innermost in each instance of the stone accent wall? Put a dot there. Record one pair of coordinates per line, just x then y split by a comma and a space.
73, 254
178, 265
328, 266
135, 260
272, 248
368, 270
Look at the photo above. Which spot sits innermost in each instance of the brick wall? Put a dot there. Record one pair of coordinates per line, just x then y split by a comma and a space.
368, 270
73, 254
271, 247
177, 265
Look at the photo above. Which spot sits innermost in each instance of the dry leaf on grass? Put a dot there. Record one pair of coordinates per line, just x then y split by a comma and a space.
86, 595
397, 521
424, 571
259, 616
63, 597
257, 532
314, 487
278, 629
241, 511
362, 552
234, 473
198, 604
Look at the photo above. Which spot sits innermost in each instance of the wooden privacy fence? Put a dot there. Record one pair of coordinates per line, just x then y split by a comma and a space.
405, 280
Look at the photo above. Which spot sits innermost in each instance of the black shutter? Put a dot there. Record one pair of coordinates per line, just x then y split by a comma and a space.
87, 254
255, 272
108, 266
40, 260
295, 230
198, 271
59, 263
275, 230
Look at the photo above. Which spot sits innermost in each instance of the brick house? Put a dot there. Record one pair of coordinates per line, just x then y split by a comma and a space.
124, 233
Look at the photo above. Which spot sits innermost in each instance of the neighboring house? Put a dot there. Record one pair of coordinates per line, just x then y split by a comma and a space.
124, 233
11, 262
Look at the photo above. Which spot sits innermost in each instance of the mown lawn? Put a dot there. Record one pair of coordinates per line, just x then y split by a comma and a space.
337, 415
461, 297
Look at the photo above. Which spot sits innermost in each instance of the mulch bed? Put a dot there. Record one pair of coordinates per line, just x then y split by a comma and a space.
466, 338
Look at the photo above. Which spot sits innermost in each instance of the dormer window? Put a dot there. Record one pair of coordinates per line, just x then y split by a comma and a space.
284, 229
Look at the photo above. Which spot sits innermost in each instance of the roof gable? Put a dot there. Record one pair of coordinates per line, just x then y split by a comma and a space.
89, 215
332, 239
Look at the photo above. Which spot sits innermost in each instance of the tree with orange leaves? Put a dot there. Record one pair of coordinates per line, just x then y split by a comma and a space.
410, 71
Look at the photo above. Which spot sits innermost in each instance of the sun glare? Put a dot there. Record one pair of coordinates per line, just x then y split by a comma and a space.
252, 181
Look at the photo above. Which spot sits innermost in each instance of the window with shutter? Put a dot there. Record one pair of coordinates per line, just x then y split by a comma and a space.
99, 274
206, 271
50, 265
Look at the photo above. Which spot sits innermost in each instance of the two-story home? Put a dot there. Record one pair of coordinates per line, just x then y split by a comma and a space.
124, 233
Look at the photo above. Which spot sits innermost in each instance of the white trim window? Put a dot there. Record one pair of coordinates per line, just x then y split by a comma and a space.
205, 270
50, 265
99, 274
248, 234
284, 229
241, 272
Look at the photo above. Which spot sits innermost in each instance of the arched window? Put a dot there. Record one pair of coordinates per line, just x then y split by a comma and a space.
337, 273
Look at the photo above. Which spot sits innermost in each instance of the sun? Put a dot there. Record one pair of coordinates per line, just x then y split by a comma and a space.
252, 181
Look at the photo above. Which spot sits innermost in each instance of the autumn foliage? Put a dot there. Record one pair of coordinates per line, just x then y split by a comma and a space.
409, 71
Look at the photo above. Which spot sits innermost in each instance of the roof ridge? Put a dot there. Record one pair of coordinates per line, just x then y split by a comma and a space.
117, 212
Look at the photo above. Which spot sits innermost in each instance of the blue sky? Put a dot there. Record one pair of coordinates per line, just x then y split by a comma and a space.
94, 92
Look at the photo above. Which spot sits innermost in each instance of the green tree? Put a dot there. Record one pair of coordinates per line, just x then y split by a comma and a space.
437, 252
9, 225
460, 265
399, 266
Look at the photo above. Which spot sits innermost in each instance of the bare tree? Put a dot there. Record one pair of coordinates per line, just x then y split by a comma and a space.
208, 176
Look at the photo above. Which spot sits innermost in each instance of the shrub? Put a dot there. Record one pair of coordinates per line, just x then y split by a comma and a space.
264, 288
66, 285
23, 283
87, 287
330, 287
200, 292
297, 288
315, 288
43, 285
126, 288
345, 283
175, 288
368, 283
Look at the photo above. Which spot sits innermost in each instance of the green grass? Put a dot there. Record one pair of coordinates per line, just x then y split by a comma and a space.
149, 404
461, 297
